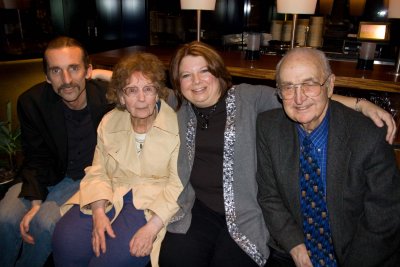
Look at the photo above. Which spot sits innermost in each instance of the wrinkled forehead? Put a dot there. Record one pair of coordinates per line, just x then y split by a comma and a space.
300, 67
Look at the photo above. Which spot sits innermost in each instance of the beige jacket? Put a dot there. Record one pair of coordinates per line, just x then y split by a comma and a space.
117, 168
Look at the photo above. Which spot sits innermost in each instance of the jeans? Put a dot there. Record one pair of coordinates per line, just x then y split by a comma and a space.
13, 209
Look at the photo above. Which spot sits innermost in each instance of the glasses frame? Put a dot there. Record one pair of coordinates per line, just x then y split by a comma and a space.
279, 90
145, 93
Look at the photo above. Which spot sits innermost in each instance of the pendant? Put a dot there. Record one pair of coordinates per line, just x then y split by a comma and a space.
203, 125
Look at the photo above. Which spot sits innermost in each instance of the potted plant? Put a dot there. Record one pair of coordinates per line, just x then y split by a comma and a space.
9, 147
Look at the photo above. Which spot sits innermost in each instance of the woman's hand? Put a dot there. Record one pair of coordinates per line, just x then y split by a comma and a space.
300, 256
380, 117
101, 224
141, 243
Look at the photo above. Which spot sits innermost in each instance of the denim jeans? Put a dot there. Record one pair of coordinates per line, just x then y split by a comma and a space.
13, 209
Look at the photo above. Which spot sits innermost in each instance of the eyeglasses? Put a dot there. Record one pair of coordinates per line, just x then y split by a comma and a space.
309, 89
148, 90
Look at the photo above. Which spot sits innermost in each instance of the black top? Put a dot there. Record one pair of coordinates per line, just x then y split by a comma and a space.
206, 175
81, 141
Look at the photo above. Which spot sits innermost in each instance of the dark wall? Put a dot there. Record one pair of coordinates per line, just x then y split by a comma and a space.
102, 24
124, 20
108, 24
69, 17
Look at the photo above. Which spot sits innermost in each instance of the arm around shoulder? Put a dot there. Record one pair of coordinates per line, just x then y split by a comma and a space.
378, 115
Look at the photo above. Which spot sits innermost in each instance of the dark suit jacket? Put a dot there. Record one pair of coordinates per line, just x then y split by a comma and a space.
44, 135
363, 187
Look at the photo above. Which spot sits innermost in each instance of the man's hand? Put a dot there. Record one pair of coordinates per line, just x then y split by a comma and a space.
26, 220
101, 74
141, 243
300, 256
101, 224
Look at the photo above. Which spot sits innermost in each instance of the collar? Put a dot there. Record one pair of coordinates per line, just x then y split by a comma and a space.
319, 135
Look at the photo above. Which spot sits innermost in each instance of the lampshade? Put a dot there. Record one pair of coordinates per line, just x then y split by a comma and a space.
296, 7
198, 4
394, 9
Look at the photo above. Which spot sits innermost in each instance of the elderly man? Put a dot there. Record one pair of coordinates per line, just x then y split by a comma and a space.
58, 121
328, 183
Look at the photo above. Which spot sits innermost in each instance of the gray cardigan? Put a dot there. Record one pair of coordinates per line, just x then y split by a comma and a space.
243, 215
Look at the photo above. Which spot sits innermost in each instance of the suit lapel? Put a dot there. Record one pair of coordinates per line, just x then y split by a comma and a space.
121, 142
56, 121
337, 166
290, 163
96, 107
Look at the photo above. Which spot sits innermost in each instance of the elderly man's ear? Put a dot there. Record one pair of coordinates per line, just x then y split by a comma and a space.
331, 85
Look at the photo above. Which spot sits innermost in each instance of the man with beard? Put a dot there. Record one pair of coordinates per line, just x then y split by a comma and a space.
58, 121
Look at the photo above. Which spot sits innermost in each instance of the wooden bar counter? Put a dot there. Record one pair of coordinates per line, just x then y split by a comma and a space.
347, 76
377, 85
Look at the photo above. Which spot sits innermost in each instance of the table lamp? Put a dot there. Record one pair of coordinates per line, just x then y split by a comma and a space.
295, 8
394, 13
198, 5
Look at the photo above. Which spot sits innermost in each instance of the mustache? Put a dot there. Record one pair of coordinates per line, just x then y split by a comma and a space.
67, 85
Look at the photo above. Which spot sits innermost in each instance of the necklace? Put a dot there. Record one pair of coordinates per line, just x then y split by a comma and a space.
204, 119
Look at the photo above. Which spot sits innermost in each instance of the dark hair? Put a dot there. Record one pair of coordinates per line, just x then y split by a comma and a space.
64, 41
147, 64
216, 67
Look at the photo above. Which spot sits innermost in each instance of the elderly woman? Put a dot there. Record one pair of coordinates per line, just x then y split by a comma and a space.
129, 194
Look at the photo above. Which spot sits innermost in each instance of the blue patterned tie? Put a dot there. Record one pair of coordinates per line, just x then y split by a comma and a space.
313, 206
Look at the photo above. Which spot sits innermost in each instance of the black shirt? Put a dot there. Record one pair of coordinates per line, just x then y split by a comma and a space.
206, 175
81, 141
